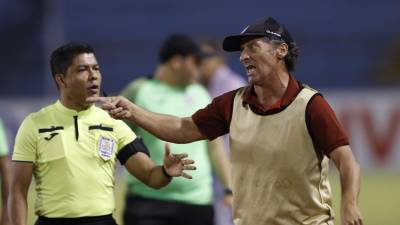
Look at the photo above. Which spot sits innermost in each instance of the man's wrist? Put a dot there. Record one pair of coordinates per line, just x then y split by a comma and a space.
165, 173
349, 199
131, 109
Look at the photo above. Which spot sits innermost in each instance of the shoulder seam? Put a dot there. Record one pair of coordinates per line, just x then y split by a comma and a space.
232, 105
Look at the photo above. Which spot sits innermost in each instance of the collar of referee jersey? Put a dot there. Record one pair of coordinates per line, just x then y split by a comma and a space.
291, 92
70, 112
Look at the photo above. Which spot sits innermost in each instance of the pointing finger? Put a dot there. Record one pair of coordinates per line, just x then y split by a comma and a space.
98, 99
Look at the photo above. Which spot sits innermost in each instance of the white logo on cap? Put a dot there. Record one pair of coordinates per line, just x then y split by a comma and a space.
273, 33
244, 30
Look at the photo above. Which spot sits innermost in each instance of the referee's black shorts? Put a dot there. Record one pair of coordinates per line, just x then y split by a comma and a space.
145, 211
95, 220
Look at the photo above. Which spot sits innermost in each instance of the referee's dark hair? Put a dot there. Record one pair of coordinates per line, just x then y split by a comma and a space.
62, 57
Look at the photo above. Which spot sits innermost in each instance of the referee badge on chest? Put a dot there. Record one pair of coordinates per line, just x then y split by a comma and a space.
106, 147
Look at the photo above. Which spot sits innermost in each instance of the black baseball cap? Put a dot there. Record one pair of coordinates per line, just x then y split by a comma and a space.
178, 44
266, 27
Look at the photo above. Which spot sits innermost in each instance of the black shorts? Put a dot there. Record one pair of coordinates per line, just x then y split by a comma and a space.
95, 220
145, 211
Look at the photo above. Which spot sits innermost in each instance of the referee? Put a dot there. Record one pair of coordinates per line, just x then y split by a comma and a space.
71, 147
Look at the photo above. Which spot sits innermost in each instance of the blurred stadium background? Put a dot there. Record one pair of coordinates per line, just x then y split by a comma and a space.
350, 50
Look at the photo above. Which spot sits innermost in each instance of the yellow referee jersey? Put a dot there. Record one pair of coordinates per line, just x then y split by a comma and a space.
74, 156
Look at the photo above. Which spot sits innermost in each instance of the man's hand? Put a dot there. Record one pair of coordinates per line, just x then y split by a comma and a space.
175, 164
351, 215
118, 107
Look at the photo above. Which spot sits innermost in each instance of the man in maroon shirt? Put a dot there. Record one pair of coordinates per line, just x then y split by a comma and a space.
274, 119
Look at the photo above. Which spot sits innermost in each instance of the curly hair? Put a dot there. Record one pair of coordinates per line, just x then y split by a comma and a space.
291, 56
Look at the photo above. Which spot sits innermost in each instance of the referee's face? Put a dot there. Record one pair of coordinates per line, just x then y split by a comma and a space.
83, 80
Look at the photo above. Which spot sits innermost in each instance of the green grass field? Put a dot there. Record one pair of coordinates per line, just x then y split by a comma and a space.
379, 199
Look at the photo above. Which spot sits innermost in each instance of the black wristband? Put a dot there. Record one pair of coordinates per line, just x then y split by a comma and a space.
165, 172
228, 191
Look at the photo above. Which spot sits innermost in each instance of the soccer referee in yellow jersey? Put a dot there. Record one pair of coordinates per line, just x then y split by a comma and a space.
71, 148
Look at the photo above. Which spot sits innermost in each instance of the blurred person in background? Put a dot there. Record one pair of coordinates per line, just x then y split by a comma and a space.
71, 147
172, 89
282, 134
215, 73
218, 78
4, 173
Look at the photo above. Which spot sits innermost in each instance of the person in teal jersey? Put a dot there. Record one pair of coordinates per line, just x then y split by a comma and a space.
173, 90
4, 173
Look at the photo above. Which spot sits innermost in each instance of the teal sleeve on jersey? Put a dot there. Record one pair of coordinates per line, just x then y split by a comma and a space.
3, 140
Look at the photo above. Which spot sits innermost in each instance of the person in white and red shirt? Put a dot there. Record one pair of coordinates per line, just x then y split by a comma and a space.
282, 134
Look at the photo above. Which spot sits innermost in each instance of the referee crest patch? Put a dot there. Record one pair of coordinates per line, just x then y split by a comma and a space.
106, 148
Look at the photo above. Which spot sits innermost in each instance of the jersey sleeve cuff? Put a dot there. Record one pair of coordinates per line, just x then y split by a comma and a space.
332, 148
22, 159
202, 128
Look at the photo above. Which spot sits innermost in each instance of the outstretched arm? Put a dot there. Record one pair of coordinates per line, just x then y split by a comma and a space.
166, 127
349, 171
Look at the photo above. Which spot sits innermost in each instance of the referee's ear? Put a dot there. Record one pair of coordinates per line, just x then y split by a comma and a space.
59, 78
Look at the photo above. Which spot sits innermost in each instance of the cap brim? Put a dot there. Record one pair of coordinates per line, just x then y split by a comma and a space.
232, 43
